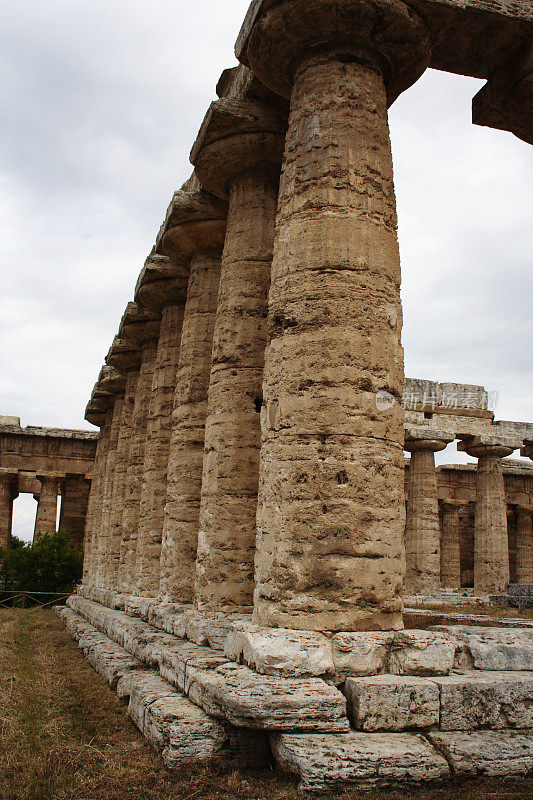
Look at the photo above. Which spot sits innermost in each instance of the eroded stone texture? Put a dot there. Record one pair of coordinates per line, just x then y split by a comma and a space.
134, 476
74, 500
392, 703
46, 517
6, 507
95, 504
203, 241
331, 512
491, 648
491, 544
450, 551
524, 545
120, 478
324, 762
422, 529
500, 753
245, 165
107, 494
153, 493
422, 653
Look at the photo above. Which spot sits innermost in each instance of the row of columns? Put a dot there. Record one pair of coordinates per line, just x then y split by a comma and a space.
433, 558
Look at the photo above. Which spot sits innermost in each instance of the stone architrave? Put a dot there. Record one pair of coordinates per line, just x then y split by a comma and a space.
140, 328
491, 544
7, 494
331, 509
237, 156
95, 503
422, 528
524, 544
450, 549
74, 500
195, 229
163, 290
46, 517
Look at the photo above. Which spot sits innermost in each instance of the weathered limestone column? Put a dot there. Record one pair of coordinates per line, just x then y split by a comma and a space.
74, 500
103, 531
163, 288
98, 417
237, 156
46, 517
7, 495
331, 510
450, 551
196, 228
422, 528
524, 544
140, 328
491, 545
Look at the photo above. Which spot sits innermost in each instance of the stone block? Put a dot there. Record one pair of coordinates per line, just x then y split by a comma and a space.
212, 630
326, 762
493, 753
491, 648
360, 653
278, 651
392, 703
486, 700
421, 653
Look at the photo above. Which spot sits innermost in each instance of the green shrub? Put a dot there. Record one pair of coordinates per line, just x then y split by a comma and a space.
51, 564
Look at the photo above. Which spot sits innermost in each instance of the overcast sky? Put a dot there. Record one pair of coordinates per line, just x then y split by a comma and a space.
100, 104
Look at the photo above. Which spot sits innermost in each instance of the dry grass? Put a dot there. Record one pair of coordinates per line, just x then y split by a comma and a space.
65, 736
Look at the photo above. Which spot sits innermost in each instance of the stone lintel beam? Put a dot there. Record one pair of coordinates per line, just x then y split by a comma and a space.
468, 37
188, 207
506, 100
123, 355
237, 137
430, 440
161, 283
139, 324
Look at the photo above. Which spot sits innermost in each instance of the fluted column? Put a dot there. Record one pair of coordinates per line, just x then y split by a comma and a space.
524, 544
163, 289
237, 156
330, 510
422, 529
7, 494
46, 517
140, 327
450, 556
203, 239
74, 499
491, 544
107, 489
95, 498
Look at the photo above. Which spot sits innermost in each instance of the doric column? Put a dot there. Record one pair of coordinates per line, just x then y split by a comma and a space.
450, 550
74, 499
140, 328
237, 156
331, 510
196, 227
7, 494
161, 287
97, 416
524, 544
46, 517
422, 528
491, 545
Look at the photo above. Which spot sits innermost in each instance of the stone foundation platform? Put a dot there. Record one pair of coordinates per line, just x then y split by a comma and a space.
361, 709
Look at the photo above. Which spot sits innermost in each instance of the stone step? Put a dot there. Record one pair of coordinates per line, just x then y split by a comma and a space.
501, 753
219, 686
484, 648
177, 728
327, 762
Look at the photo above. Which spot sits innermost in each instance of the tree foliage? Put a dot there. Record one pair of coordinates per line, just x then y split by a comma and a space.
53, 563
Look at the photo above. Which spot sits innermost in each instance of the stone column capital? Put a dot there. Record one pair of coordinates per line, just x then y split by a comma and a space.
139, 325
524, 509
386, 35
161, 283
450, 504
426, 440
527, 449
486, 446
110, 380
125, 356
195, 222
237, 137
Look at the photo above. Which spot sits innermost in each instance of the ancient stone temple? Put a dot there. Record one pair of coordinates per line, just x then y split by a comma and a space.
49, 463
252, 528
